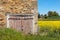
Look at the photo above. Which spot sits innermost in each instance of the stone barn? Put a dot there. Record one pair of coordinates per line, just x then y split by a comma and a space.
21, 15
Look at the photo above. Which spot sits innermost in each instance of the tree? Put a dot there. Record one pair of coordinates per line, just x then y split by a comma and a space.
45, 16
52, 13
38, 15
56, 14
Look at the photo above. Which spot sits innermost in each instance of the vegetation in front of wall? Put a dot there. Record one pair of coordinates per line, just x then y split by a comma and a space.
9, 34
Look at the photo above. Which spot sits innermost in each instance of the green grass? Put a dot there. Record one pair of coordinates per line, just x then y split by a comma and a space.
9, 34
53, 18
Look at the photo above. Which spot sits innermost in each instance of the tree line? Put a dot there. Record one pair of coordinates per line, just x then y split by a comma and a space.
49, 14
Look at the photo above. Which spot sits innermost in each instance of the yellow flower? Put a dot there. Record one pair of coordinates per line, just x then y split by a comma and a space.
52, 24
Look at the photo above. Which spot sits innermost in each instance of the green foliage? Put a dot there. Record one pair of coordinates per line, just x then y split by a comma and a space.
45, 16
52, 18
52, 13
9, 34
38, 15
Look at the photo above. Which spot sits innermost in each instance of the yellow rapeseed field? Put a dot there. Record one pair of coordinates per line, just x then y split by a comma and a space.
53, 24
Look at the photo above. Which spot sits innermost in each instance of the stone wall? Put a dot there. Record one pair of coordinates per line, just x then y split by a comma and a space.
18, 6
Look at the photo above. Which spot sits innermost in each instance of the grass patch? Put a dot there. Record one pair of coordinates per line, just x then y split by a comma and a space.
9, 34
52, 18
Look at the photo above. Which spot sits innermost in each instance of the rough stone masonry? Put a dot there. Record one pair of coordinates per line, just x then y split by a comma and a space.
18, 7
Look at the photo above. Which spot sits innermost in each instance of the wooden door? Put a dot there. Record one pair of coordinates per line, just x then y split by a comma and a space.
15, 22
21, 23
27, 25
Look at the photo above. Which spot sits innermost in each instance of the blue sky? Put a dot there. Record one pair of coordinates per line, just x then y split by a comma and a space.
48, 5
